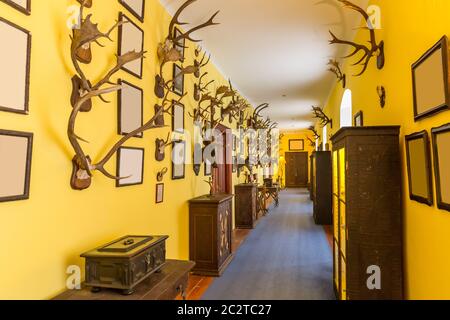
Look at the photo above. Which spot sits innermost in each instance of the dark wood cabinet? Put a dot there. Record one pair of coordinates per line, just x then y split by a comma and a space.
367, 213
322, 187
245, 204
210, 233
311, 177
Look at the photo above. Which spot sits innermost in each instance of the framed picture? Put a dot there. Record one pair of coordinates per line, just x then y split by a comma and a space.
296, 145
23, 6
419, 167
131, 108
358, 119
182, 44
160, 193
15, 165
178, 80
208, 168
441, 149
15, 62
178, 160
136, 7
177, 117
234, 164
431, 90
131, 38
130, 166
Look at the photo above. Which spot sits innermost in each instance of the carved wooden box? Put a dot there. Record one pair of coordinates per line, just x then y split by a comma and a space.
245, 205
210, 233
124, 263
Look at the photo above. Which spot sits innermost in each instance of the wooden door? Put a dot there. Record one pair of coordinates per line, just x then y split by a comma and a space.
223, 172
296, 169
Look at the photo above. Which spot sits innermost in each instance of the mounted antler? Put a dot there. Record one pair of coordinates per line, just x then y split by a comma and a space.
255, 120
319, 114
368, 52
336, 69
312, 143
314, 131
160, 150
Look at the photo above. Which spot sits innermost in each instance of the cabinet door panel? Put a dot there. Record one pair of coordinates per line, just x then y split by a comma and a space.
335, 173
336, 264
343, 228
336, 217
343, 279
342, 175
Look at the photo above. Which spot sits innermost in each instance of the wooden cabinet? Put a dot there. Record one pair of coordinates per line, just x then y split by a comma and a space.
311, 177
210, 233
322, 188
367, 213
245, 205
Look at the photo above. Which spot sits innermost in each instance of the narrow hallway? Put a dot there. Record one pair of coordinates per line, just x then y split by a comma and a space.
287, 257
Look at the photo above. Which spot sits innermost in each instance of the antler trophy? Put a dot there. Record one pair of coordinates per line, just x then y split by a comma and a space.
84, 91
314, 131
336, 69
375, 49
319, 114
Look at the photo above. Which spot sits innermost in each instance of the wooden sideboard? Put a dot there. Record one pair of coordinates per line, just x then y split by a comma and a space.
170, 282
246, 205
210, 233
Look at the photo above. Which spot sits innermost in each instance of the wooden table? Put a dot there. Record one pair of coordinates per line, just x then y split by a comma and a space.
165, 285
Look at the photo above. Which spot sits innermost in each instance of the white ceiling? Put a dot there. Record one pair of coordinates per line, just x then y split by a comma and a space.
272, 48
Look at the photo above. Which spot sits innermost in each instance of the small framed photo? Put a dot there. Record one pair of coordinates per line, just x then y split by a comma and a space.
208, 168
15, 62
177, 117
131, 108
131, 38
441, 149
136, 7
23, 6
180, 46
160, 193
15, 165
178, 80
296, 145
358, 119
178, 160
130, 166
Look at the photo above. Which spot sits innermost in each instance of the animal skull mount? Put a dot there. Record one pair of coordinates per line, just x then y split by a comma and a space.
160, 152
161, 174
382, 94
375, 49
197, 166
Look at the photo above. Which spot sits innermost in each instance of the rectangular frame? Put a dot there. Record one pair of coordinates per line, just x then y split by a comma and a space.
208, 168
17, 6
437, 168
178, 87
121, 109
27, 170
140, 16
175, 117
159, 197
174, 146
427, 156
293, 148
119, 183
26, 88
443, 46
358, 119
138, 48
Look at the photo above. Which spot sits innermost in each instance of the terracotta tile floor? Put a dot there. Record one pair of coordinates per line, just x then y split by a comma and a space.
329, 233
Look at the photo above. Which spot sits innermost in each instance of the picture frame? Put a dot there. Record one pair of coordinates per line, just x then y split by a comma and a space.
296, 145
441, 150
208, 168
180, 46
418, 156
178, 160
178, 116
130, 108
159, 193
135, 7
234, 164
18, 6
131, 37
178, 80
16, 149
358, 119
130, 166
431, 85
15, 64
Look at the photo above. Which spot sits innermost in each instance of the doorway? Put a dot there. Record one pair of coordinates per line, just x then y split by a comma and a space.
223, 172
296, 169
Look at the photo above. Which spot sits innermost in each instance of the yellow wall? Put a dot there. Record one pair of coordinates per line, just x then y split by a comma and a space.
409, 29
40, 237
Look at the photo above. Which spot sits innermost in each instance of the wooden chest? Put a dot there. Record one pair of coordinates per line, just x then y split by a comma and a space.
124, 263
210, 233
246, 205
367, 213
322, 188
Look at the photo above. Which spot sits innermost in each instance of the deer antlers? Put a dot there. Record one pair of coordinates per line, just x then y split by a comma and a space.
368, 52
314, 131
319, 114
336, 69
